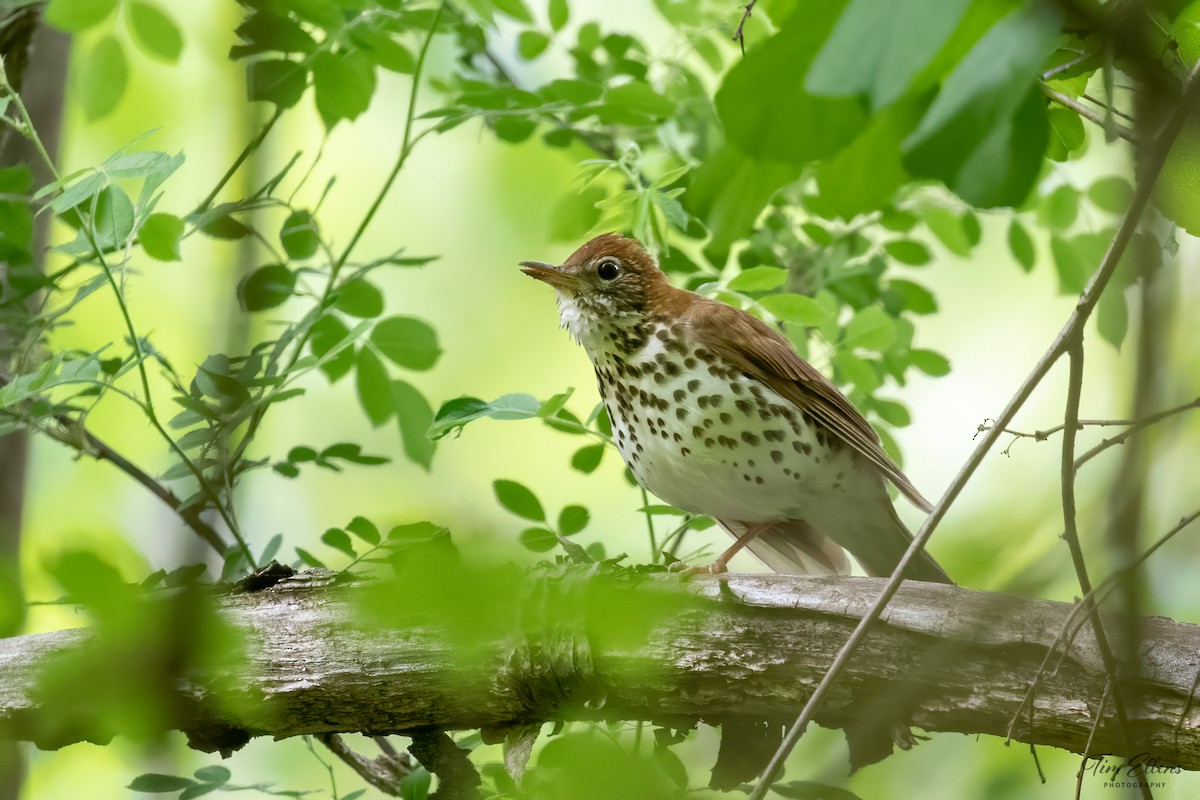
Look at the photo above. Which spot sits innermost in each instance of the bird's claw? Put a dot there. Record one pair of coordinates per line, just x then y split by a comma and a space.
715, 568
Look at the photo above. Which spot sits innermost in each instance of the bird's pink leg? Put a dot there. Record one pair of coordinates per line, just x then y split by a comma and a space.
719, 565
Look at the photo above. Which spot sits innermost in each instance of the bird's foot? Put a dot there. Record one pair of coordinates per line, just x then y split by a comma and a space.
716, 568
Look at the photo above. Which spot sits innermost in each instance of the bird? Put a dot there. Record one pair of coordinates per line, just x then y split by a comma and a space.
714, 412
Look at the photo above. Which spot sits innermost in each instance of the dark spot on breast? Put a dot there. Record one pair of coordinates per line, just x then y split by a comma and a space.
681, 414
661, 334
773, 435
758, 479
777, 456
689, 363
659, 378
678, 438
709, 442
802, 447
745, 476
744, 406
749, 438
671, 368
708, 422
750, 463
727, 442
702, 401
661, 422
736, 388
726, 417
765, 415
679, 395
684, 451
697, 431
715, 400
693, 385
664, 434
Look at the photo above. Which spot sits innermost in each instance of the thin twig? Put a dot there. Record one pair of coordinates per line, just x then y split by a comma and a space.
1150, 169
1072, 624
250, 147
1138, 425
1061, 68
739, 35
1087, 748
1108, 107
1088, 114
1071, 535
384, 773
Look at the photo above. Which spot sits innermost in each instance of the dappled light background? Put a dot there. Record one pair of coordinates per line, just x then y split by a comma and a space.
481, 206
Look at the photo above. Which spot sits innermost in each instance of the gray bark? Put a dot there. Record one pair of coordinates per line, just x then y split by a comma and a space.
739, 647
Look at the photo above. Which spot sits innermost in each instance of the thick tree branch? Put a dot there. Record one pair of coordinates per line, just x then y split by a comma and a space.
741, 647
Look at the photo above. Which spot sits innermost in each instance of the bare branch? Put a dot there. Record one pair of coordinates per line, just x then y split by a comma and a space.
383, 772
1136, 426
1088, 114
959, 660
739, 35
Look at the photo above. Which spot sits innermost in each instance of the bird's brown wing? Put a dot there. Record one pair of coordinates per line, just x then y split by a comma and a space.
765, 355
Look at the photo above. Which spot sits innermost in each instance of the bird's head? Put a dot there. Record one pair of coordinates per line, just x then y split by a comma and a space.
610, 281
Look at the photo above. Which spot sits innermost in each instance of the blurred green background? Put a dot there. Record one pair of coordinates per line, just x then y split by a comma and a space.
482, 206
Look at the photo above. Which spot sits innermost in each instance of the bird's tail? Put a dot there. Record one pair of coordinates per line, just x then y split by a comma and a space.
792, 546
881, 545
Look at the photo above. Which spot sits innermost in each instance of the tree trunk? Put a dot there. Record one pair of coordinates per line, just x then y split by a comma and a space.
36, 62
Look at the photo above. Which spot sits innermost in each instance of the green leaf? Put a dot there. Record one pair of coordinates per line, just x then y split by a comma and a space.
908, 251
771, 117
267, 287
587, 459
914, 297
1072, 274
865, 176
539, 540
729, 191
1112, 316
154, 31
1178, 187
152, 782
1111, 194
986, 131
78, 15
560, 14
359, 298
299, 235
759, 279
891, 412
572, 519
519, 500
385, 51
215, 774
327, 332
531, 44
277, 81
344, 83
1021, 245
102, 78
113, 222
640, 97
871, 329
415, 416
795, 308
374, 387
929, 362
811, 790
407, 342
515, 9
339, 540
878, 48
364, 529
1058, 209
160, 235
225, 226
948, 228
1066, 133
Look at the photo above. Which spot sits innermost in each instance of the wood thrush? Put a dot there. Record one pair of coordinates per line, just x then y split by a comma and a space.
715, 413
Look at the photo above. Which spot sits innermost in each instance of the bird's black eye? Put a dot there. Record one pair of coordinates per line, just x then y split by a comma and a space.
608, 269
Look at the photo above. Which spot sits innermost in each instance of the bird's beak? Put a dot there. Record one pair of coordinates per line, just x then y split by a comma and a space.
550, 274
